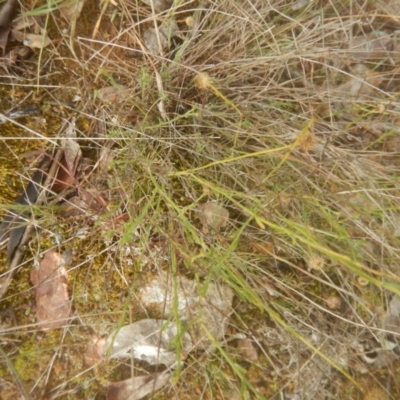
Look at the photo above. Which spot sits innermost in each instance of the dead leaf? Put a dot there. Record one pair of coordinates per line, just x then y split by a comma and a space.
213, 216
51, 286
150, 38
32, 22
94, 351
35, 41
138, 387
15, 222
71, 9
264, 248
159, 5
247, 350
72, 150
206, 312
149, 340
7, 13
156, 40
113, 94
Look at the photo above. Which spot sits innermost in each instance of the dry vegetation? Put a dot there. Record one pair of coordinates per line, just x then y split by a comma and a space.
284, 114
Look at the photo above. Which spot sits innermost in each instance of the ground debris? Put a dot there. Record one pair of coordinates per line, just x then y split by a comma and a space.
138, 387
53, 307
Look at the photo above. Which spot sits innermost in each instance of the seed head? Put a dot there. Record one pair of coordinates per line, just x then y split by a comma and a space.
202, 81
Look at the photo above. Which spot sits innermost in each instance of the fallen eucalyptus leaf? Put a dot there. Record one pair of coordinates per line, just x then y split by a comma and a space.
71, 9
94, 351
247, 349
15, 222
138, 387
26, 22
7, 13
113, 94
150, 38
149, 340
213, 216
72, 150
51, 287
202, 312
36, 41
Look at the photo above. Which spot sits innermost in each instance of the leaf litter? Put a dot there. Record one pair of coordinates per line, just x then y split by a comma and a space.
205, 307
53, 306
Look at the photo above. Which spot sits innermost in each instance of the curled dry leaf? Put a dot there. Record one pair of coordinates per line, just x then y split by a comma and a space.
51, 286
213, 216
113, 94
138, 387
149, 340
207, 312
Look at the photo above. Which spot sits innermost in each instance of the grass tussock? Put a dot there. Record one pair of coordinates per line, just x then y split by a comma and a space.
286, 118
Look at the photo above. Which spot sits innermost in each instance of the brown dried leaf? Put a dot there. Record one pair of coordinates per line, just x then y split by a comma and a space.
51, 285
138, 387
72, 150
7, 13
94, 351
213, 216
35, 41
247, 349
263, 248
26, 22
150, 38
71, 9
113, 94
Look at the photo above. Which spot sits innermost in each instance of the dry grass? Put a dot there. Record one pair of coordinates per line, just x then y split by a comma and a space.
274, 114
